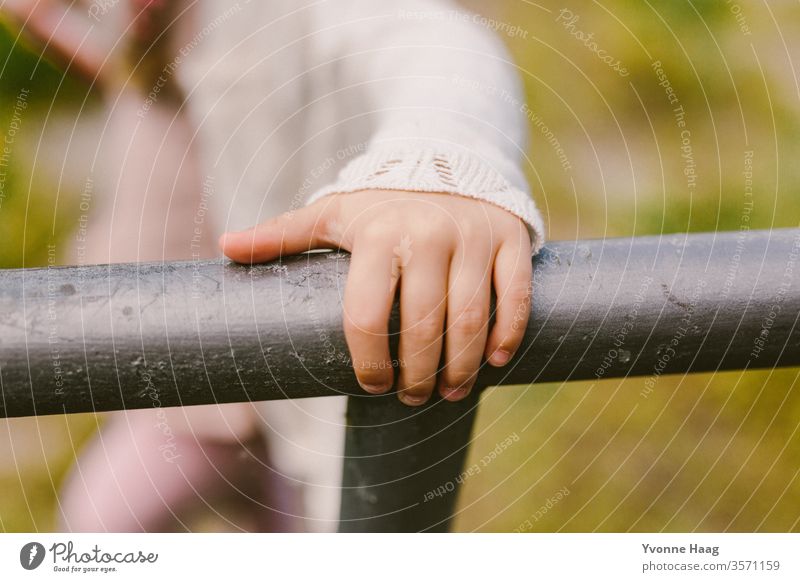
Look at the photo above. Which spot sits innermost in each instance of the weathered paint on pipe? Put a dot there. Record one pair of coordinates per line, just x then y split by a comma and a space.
95, 338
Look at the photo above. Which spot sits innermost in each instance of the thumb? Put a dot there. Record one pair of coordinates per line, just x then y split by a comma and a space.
290, 233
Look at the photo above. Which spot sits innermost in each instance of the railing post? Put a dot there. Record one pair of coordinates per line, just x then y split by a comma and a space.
402, 465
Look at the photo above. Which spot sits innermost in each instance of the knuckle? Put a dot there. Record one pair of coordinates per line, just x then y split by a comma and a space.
513, 226
519, 292
515, 309
376, 231
323, 227
523, 236
436, 233
469, 322
469, 230
424, 329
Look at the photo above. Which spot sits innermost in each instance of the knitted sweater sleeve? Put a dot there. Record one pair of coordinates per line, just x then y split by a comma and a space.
447, 102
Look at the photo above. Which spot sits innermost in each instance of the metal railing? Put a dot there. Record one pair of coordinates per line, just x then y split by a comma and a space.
116, 337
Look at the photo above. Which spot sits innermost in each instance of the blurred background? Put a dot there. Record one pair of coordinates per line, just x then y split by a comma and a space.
710, 452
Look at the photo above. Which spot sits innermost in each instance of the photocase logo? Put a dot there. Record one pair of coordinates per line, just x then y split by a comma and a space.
31, 555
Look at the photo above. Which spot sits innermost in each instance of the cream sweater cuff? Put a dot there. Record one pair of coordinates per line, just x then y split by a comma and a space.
424, 166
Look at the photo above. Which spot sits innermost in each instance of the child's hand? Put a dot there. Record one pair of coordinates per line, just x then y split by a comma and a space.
445, 251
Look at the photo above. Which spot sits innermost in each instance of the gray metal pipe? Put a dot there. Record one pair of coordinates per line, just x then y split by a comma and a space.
97, 338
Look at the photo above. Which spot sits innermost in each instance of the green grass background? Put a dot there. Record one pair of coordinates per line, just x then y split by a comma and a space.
708, 452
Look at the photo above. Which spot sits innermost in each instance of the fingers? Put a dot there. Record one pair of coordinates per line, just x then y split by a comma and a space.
288, 234
468, 299
512, 282
423, 305
434, 288
368, 300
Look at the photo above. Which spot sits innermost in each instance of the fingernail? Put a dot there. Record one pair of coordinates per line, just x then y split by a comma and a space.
412, 400
500, 358
455, 394
374, 389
